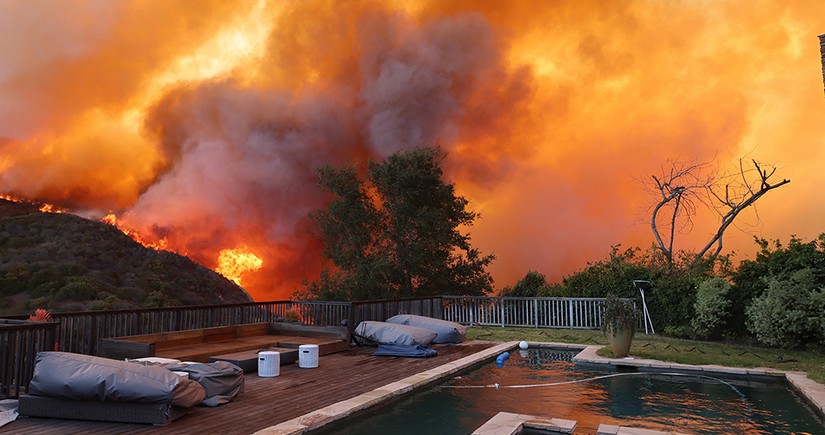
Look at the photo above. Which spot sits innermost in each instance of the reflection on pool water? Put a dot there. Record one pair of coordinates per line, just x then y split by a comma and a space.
652, 401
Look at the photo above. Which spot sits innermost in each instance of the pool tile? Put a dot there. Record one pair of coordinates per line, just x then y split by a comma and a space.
551, 424
506, 423
814, 391
291, 427
712, 368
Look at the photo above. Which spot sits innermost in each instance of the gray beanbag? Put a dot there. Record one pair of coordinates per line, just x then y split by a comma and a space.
83, 377
220, 380
393, 333
447, 332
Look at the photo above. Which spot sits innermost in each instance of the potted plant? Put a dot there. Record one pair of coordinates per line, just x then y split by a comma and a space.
619, 323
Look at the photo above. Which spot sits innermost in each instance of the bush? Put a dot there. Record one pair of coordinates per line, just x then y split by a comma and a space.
679, 331
774, 259
711, 306
534, 284
671, 298
791, 312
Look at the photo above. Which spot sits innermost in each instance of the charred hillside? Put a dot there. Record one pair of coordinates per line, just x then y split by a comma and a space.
64, 262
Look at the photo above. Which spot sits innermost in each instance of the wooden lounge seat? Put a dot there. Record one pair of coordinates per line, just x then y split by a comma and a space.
200, 345
248, 360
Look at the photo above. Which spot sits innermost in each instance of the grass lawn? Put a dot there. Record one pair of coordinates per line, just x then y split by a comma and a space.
670, 349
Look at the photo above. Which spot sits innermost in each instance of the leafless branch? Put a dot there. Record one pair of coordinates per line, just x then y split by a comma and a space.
684, 185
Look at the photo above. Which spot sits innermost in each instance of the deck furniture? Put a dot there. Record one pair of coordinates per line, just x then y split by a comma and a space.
200, 345
74, 386
247, 360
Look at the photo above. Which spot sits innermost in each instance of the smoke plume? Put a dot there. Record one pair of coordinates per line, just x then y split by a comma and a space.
202, 123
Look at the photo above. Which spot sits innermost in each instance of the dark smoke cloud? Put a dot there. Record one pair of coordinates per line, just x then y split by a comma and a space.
241, 158
203, 121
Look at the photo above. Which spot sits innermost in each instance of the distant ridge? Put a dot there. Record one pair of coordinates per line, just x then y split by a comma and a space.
63, 262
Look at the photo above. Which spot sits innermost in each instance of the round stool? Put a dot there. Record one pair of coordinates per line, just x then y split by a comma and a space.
308, 356
269, 364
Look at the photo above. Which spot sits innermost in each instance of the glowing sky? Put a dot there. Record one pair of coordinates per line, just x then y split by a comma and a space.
201, 122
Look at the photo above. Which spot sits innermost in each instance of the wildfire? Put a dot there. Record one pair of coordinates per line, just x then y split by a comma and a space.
111, 219
210, 127
44, 207
233, 263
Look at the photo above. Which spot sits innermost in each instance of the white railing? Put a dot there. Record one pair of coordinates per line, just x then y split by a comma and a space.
570, 313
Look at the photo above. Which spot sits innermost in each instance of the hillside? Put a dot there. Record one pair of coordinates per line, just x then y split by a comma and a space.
64, 262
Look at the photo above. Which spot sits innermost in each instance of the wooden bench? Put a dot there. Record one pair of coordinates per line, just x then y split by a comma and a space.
200, 345
248, 360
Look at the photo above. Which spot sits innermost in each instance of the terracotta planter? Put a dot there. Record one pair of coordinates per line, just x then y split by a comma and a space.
620, 341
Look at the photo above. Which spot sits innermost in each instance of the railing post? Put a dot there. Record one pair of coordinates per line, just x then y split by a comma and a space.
570, 313
501, 310
472, 310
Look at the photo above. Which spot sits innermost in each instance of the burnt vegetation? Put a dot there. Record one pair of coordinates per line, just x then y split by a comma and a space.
62, 262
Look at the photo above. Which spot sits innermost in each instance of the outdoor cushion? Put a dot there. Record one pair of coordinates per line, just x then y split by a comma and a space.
413, 351
447, 332
393, 333
220, 380
83, 377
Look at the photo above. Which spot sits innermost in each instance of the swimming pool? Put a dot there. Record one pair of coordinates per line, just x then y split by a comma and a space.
653, 401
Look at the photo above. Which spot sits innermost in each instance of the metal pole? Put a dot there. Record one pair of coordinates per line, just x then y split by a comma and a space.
645, 313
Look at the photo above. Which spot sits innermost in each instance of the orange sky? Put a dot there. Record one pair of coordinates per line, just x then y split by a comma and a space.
201, 122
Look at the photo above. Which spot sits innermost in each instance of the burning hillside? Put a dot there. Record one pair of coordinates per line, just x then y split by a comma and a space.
201, 123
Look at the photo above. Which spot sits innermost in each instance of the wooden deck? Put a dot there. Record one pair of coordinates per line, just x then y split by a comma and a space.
269, 401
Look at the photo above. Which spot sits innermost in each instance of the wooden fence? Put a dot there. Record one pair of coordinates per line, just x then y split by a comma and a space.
20, 340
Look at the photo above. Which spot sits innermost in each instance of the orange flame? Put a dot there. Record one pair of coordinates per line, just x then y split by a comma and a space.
208, 129
111, 219
233, 263
44, 207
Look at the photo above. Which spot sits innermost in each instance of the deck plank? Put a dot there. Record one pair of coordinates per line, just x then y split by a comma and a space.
269, 401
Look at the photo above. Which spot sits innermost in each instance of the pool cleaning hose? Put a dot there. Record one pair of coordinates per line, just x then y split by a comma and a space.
577, 381
501, 358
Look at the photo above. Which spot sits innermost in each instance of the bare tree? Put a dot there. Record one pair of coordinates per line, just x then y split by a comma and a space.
686, 186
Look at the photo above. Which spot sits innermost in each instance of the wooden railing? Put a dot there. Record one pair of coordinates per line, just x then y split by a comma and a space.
20, 340
383, 309
79, 332
570, 313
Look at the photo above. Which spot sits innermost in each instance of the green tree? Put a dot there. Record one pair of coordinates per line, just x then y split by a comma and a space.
534, 284
397, 234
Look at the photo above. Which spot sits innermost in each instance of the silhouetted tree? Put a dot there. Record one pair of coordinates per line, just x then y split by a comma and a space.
396, 234
687, 185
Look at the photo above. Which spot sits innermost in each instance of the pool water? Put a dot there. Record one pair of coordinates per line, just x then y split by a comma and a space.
652, 401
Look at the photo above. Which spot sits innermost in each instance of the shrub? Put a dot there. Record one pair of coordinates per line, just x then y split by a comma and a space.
791, 312
532, 285
679, 331
774, 259
711, 306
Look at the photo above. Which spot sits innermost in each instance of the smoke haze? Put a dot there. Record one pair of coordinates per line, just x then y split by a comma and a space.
202, 122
